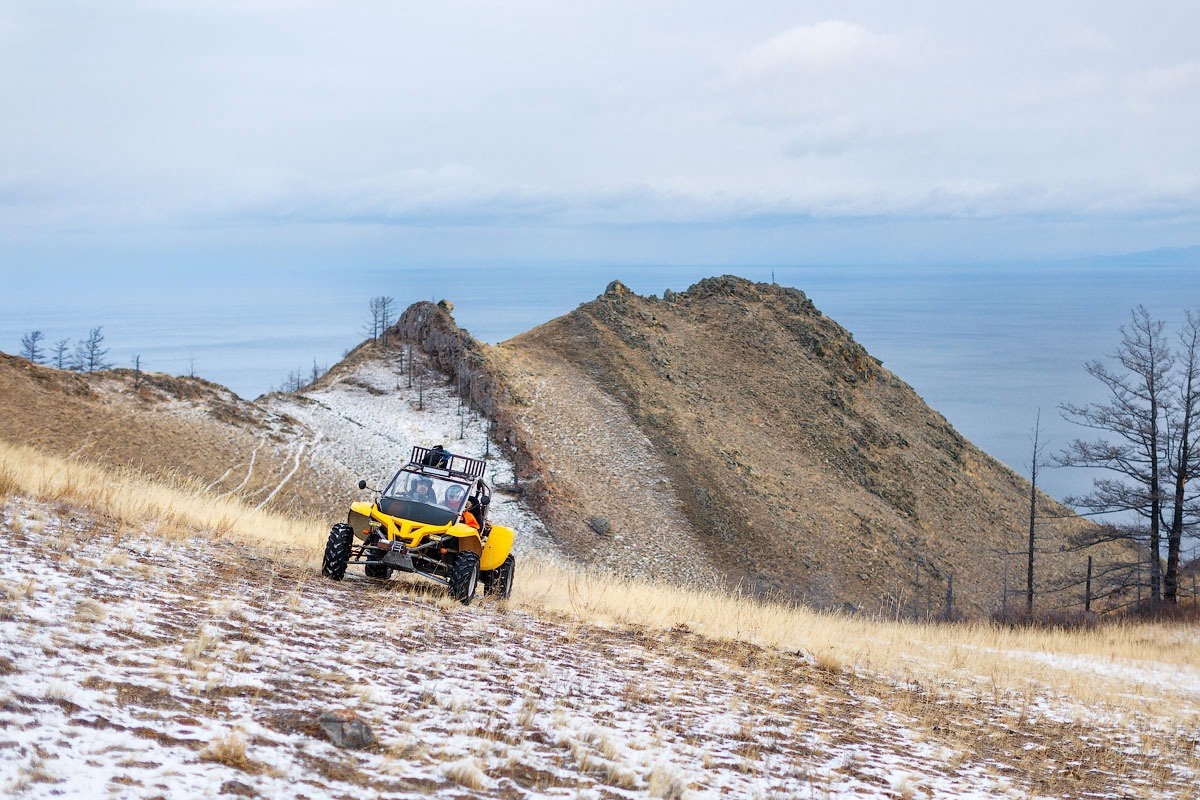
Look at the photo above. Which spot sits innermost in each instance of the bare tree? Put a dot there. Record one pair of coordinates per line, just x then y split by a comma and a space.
1133, 443
59, 354
137, 371
371, 329
1037, 459
31, 347
1183, 451
90, 354
386, 304
381, 317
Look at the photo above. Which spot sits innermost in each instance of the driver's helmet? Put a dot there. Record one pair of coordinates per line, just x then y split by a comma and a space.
454, 496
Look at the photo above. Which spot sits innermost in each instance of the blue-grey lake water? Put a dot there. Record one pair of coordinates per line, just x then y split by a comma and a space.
987, 346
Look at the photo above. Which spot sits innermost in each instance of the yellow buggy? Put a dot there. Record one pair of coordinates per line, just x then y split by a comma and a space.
431, 519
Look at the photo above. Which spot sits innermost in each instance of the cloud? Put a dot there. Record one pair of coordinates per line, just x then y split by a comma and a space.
1089, 39
1176, 78
829, 46
824, 136
190, 115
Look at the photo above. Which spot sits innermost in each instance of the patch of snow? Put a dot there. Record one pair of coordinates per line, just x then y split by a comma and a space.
367, 422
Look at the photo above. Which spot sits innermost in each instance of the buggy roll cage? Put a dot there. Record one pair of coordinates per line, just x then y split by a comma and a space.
442, 462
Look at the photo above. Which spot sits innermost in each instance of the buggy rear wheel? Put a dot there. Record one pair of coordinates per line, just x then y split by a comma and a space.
464, 577
337, 551
499, 582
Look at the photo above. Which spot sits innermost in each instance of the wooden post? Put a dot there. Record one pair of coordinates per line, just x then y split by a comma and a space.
1004, 593
950, 596
917, 593
1087, 592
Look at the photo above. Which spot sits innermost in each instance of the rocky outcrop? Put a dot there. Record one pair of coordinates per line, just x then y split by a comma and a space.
468, 364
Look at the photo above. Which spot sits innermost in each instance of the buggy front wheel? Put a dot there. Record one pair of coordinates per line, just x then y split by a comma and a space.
337, 551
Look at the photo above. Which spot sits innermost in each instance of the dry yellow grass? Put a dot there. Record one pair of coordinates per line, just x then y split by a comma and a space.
168, 505
979, 657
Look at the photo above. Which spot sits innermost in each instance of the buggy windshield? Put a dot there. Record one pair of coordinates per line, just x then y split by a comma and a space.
428, 499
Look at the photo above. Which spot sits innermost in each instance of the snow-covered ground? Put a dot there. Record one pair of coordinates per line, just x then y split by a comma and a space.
136, 668
366, 423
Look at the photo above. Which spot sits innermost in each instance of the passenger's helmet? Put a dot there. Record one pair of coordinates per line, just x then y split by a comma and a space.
454, 496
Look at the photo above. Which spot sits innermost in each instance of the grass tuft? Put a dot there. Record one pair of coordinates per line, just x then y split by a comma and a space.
230, 749
9, 484
665, 782
467, 773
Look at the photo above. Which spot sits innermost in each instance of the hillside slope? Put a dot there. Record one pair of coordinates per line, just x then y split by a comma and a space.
156, 423
773, 449
298, 453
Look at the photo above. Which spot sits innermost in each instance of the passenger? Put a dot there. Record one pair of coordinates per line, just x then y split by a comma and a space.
454, 501
474, 513
469, 519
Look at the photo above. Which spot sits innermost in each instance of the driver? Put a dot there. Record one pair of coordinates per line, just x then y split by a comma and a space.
423, 492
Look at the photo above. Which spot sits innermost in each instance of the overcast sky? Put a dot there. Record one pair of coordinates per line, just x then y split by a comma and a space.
654, 132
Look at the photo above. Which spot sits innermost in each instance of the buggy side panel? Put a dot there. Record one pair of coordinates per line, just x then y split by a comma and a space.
499, 545
359, 519
468, 538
